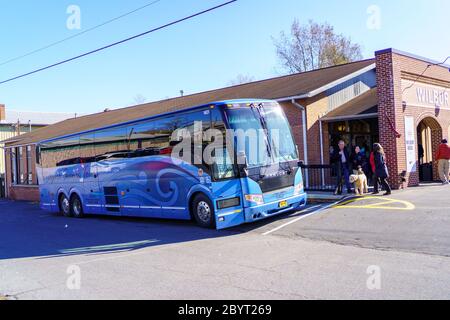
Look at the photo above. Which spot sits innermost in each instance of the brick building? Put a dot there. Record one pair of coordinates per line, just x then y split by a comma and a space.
397, 99
14, 123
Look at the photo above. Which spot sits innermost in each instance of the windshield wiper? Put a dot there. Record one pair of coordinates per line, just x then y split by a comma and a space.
263, 122
273, 145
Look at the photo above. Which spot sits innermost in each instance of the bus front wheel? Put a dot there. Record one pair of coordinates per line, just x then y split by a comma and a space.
76, 207
203, 211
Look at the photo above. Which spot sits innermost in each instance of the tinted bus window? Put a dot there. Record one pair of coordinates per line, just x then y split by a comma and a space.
87, 148
111, 142
152, 137
60, 152
223, 167
195, 124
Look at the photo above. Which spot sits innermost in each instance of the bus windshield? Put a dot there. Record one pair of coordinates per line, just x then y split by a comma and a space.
280, 135
247, 122
268, 134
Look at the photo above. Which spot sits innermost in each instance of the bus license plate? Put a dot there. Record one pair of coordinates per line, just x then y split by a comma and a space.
283, 204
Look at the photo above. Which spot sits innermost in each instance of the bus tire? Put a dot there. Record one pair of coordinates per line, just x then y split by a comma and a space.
64, 206
76, 207
203, 211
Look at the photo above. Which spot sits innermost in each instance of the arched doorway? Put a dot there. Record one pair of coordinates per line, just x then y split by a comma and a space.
429, 136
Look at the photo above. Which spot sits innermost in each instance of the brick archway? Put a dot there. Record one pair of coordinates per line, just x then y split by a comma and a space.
429, 136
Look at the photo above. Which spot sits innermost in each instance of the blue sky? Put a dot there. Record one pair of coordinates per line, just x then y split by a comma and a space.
201, 54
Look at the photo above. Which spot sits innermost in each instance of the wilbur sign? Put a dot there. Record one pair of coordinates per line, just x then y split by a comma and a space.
433, 96
424, 95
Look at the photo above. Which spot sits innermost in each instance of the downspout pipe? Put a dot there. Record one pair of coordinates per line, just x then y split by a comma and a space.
305, 141
321, 150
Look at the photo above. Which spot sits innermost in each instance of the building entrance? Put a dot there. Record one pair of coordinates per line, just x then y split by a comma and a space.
362, 133
429, 136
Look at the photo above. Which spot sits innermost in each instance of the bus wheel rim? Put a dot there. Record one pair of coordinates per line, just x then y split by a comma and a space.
204, 211
65, 205
76, 207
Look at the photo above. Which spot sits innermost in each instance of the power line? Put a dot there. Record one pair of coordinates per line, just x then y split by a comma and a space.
424, 71
119, 42
79, 34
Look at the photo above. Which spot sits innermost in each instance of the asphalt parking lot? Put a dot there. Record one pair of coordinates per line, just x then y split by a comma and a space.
327, 251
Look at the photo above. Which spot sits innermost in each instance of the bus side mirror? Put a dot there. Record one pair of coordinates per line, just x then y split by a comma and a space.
301, 163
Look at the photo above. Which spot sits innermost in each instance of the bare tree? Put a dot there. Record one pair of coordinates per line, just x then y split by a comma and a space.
313, 46
241, 79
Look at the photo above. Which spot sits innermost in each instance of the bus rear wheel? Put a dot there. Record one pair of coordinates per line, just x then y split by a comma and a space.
203, 211
76, 207
64, 206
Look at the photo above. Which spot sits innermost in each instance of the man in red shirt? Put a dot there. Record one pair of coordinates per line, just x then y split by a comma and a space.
443, 158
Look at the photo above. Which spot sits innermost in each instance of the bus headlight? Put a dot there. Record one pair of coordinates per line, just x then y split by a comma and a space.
255, 198
299, 188
228, 203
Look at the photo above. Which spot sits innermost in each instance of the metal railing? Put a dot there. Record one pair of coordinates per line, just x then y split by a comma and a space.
319, 177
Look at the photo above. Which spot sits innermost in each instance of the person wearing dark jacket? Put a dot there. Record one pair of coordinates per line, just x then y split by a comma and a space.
381, 169
359, 159
342, 161
376, 182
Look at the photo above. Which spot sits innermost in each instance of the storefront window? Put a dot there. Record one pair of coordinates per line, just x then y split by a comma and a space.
13, 166
21, 166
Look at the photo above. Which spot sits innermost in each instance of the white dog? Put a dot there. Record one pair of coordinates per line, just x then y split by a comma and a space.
360, 181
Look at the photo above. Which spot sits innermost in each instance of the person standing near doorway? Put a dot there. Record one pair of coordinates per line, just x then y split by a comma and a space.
376, 182
341, 158
443, 158
359, 159
381, 169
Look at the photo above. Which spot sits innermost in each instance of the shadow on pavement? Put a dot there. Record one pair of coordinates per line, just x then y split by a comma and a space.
28, 232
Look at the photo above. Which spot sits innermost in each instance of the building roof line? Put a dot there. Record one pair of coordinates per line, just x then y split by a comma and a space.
330, 85
30, 111
414, 56
294, 74
231, 87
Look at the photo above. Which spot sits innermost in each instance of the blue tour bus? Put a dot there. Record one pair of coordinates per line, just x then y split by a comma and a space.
128, 169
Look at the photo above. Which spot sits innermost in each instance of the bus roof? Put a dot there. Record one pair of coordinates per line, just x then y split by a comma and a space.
216, 103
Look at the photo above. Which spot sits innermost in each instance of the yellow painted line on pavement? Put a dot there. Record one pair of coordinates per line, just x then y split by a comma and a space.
384, 204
